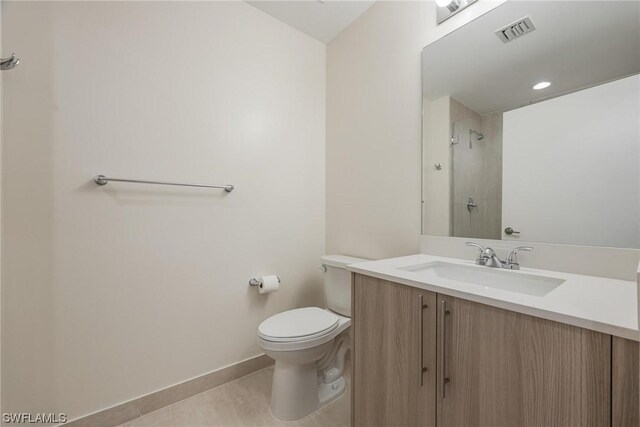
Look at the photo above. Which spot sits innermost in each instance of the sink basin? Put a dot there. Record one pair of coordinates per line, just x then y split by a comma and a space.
522, 283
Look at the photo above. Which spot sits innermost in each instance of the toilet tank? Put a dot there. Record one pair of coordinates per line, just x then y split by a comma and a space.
337, 282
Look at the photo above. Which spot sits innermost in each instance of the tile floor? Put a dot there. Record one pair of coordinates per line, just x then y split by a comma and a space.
242, 403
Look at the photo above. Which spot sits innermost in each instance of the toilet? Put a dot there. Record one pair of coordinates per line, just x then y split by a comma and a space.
309, 346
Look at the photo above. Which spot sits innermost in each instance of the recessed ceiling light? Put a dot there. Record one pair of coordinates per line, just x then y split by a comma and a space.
541, 85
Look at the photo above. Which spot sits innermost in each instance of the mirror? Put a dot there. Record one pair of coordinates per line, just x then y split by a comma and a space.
531, 125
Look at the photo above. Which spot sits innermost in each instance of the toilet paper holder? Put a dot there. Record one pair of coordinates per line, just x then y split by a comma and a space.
258, 281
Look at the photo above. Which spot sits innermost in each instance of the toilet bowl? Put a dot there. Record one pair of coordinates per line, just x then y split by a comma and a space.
309, 346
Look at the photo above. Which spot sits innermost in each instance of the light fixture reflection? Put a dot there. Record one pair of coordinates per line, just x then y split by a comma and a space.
541, 85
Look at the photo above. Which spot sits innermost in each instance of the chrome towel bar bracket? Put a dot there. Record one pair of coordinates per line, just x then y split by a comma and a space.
9, 63
103, 180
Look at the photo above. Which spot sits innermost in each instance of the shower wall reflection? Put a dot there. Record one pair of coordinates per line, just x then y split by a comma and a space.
475, 205
472, 205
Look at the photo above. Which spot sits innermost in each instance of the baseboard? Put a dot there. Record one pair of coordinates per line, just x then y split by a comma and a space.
135, 408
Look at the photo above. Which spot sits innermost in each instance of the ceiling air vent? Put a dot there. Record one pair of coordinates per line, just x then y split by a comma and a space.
515, 30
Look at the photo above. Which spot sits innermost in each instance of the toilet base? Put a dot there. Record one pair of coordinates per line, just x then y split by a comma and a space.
307, 376
327, 393
296, 393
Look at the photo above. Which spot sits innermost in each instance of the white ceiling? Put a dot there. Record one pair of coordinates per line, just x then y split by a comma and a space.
321, 20
576, 44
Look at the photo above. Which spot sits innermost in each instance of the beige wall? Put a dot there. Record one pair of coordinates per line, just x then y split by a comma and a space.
110, 293
374, 127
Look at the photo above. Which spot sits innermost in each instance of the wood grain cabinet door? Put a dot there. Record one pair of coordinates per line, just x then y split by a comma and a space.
393, 350
625, 383
499, 368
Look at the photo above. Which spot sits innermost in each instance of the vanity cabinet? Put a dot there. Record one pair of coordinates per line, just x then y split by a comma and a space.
393, 352
625, 383
425, 359
501, 368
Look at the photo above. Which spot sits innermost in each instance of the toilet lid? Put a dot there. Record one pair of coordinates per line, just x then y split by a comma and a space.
299, 324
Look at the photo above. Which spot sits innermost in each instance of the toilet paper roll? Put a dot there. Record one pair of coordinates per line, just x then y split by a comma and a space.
268, 284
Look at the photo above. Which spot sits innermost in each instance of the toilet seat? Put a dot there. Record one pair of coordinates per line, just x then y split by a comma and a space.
301, 324
301, 343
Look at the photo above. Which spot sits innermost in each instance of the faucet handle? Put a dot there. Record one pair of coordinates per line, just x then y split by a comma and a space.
512, 258
481, 248
484, 255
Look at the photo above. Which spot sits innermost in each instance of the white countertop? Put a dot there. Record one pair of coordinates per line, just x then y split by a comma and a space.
597, 303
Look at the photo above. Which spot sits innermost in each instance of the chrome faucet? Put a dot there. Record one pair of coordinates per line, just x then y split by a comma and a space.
488, 257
